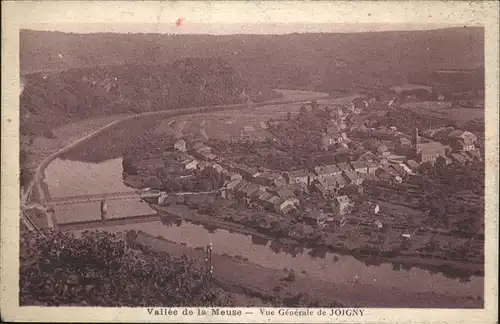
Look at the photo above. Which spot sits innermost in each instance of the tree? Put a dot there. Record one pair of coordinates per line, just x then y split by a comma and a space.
102, 269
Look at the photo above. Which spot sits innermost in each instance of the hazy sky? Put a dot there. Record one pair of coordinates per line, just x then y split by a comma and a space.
187, 27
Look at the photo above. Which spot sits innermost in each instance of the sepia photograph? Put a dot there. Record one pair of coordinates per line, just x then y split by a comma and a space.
197, 168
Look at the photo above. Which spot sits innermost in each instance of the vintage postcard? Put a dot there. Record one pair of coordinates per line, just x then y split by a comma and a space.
326, 162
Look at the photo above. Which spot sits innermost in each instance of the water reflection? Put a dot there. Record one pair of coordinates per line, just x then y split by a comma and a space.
65, 178
325, 265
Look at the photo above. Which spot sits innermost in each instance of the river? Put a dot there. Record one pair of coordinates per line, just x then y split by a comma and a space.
69, 178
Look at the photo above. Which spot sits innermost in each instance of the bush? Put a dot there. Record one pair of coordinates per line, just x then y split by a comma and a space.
100, 269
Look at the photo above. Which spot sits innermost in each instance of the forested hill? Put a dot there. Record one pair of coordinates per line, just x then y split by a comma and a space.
319, 61
52, 99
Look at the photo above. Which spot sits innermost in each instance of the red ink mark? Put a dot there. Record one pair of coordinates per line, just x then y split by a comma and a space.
179, 21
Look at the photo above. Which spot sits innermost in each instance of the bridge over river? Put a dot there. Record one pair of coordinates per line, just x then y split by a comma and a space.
46, 207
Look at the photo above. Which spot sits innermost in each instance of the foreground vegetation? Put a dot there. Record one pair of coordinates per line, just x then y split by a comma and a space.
100, 269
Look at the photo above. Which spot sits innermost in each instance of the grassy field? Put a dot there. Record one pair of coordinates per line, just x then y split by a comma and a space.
444, 110
73, 131
236, 124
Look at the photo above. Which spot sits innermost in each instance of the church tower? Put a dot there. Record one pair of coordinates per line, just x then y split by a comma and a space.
416, 138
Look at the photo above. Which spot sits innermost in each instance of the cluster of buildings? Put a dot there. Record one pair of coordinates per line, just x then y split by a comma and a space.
383, 154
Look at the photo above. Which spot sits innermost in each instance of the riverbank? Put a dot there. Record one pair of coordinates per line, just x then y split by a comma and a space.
243, 277
450, 268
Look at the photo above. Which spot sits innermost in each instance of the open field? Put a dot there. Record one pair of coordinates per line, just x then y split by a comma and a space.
236, 124
73, 131
444, 110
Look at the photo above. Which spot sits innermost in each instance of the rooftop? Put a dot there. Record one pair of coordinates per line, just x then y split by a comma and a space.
326, 169
340, 179
285, 193
430, 147
328, 182
342, 199
358, 165
297, 173
344, 166
351, 175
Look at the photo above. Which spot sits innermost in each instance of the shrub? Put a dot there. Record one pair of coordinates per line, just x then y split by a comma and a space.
100, 269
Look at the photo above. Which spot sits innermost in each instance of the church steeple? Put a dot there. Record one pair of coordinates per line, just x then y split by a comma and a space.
416, 138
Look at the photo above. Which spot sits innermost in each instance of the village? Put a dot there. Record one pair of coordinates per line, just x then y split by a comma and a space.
329, 174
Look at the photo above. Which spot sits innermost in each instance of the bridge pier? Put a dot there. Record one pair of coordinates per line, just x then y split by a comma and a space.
51, 221
104, 209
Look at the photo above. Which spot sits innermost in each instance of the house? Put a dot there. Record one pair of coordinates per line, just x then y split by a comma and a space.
341, 205
403, 141
326, 171
444, 160
370, 177
210, 156
319, 188
198, 145
389, 168
475, 154
250, 190
286, 205
396, 158
406, 169
344, 166
459, 145
368, 156
268, 200
331, 185
468, 138
328, 141
358, 103
315, 217
234, 184
353, 178
382, 149
181, 156
300, 177
245, 171
279, 181
340, 179
218, 168
265, 178
383, 175
283, 193
234, 176
332, 129
180, 145
190, 164
371, 167
202, 165
413, 165
466, 156
231, 187
399, 169
359, 167
429, 152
